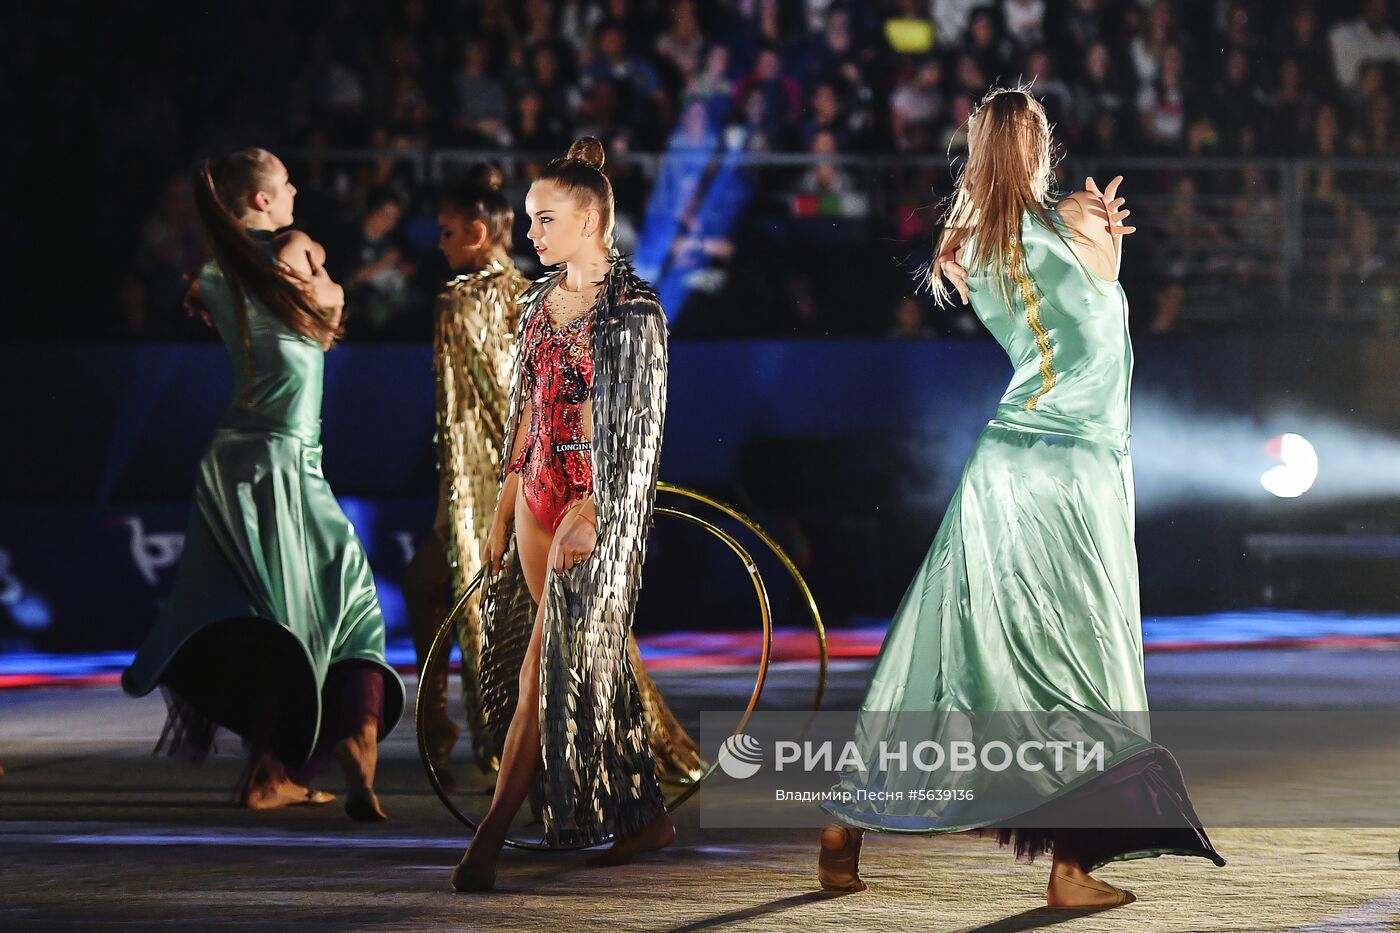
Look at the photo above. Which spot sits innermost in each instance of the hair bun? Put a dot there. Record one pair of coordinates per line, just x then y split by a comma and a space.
587, 149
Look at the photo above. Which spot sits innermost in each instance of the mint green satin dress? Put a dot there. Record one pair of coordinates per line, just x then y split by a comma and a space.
1028, 598
267, 543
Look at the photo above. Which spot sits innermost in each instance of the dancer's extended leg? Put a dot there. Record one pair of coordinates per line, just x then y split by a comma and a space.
521, 756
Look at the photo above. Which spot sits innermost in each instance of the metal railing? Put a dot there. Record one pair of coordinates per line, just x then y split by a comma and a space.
1232, 239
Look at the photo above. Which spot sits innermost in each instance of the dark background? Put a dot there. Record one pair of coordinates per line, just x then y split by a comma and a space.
1263, 291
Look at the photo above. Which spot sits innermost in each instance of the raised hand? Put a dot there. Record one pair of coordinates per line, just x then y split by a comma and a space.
947, 265
1112, 205
323, 290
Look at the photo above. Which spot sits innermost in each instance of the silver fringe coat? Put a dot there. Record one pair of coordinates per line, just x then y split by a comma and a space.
598, 775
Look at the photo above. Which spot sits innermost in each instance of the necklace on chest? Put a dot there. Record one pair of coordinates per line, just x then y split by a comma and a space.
560, 337
565, 306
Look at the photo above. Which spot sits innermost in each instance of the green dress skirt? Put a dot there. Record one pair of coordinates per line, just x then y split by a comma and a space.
1027, 602
273, 591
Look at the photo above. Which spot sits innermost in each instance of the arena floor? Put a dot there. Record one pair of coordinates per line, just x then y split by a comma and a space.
94, 832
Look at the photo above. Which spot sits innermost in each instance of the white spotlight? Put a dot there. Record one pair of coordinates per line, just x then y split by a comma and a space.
1297, 469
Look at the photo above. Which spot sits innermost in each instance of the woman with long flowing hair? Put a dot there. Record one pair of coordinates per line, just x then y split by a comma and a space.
1026, 607
273, 628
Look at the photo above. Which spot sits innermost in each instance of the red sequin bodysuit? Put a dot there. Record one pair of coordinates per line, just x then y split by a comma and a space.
554, 464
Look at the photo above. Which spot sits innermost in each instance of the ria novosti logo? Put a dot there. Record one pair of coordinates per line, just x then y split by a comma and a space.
740, 756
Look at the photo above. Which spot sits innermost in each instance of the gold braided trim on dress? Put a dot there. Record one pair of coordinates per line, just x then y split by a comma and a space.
1031, 299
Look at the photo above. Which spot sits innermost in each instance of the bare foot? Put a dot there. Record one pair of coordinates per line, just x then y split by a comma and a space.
1071, 887
838, 866
363, 806
440, 734
477, 869
657, 834
279, 794
358, 756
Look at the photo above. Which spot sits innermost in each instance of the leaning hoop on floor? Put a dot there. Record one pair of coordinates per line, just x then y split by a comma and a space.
441, 649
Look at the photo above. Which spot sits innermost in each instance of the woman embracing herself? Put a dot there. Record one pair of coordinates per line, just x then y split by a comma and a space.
273, 628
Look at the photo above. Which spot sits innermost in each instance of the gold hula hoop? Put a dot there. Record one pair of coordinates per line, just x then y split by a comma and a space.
440, 651
817, 627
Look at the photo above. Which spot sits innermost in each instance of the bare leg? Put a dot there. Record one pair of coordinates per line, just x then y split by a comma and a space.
657, 834
521, 756
265, 784
354, 709
1072, 887
359, 756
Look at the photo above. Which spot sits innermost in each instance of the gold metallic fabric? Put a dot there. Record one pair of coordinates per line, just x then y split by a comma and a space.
473, 359
676, 754
1031, 299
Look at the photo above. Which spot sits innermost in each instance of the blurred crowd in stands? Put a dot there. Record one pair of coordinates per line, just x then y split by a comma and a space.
869, 91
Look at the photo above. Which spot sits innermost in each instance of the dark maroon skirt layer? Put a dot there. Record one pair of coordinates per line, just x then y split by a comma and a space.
1145, 800
252, 678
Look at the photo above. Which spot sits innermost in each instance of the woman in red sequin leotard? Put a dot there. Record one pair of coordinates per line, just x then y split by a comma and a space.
583, 444
554, 465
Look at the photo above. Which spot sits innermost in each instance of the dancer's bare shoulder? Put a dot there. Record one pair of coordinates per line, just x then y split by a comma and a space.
1085, 214
299, 252
1087, 219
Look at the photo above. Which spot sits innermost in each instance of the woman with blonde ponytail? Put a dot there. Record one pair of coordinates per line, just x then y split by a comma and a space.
273, 629
579, 461
1023, 623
